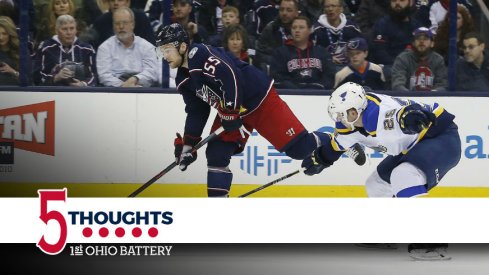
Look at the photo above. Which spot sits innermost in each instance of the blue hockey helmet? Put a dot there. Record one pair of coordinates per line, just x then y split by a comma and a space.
172, 34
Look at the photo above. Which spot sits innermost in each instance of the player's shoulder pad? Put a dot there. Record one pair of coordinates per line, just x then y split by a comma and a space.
197, 55
371, 117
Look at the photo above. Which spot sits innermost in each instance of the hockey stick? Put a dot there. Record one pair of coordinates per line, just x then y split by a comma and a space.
271, 183
171, 166
356, 153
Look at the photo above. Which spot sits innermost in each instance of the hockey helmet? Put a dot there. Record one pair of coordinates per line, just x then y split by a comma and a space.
348, 96
172, 34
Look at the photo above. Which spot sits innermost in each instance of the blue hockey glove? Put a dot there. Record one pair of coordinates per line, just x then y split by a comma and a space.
416, 120
183, 150
314, 164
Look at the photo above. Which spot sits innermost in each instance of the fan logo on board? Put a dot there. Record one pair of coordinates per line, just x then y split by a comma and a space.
6, 157
104, 224
29, 127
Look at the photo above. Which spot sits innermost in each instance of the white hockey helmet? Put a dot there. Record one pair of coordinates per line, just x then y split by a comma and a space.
348, 96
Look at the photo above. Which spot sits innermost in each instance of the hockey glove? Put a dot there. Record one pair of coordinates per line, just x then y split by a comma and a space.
183, 150
231, 121
314, 164
416, 120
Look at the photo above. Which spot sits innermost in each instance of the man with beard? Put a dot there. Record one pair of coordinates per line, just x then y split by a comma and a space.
392, 33
126, 60
419, 68
276, 33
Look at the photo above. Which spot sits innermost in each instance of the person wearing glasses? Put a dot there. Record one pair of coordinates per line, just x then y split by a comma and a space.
125, 59
473, 69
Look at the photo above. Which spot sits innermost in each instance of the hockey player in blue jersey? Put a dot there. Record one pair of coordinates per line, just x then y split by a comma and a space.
421, 141
244, 98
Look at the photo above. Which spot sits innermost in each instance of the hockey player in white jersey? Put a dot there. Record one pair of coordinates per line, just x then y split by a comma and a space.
421, 141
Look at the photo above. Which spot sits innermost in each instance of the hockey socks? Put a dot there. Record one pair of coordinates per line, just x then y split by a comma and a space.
219, 182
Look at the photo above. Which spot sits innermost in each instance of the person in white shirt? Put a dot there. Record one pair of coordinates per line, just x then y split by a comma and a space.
126, 60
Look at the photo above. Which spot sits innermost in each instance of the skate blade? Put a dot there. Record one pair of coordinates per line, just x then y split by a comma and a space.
431, 258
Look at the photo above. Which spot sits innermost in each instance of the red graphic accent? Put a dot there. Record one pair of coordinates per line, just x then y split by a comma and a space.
137, 232
153, 232
103, 232
120, 232
87, 232
53, 195
24, 127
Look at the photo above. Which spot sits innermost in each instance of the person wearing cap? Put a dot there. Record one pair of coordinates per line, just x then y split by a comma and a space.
473, 69
300, 64
182, 14
420, 68
103, 24
359, 70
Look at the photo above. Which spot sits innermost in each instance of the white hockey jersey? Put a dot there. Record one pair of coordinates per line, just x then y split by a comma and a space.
381, 130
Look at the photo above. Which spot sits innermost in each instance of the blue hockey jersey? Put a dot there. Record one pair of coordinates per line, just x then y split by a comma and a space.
216, 77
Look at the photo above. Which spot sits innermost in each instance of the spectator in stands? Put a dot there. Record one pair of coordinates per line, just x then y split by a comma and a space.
439, 9
156, 9
312, 9
371, 10
332, 31
10, 8
465, 24
211, 13
103, 5
103, 24
64, 59
235, 40
299, 63
182, 11
359, 70
473, 70
420, 68
230, 16
276, 33
125, 59
49, 14
9, 52
265, 12
392, 33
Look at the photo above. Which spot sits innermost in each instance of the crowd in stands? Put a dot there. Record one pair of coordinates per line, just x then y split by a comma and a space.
398, 45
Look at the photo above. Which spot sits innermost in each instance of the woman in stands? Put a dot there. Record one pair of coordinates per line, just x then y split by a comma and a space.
9, 52
47, 25
235, 40
465, 24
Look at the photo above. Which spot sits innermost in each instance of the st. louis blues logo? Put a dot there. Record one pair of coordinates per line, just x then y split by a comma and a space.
343, 96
